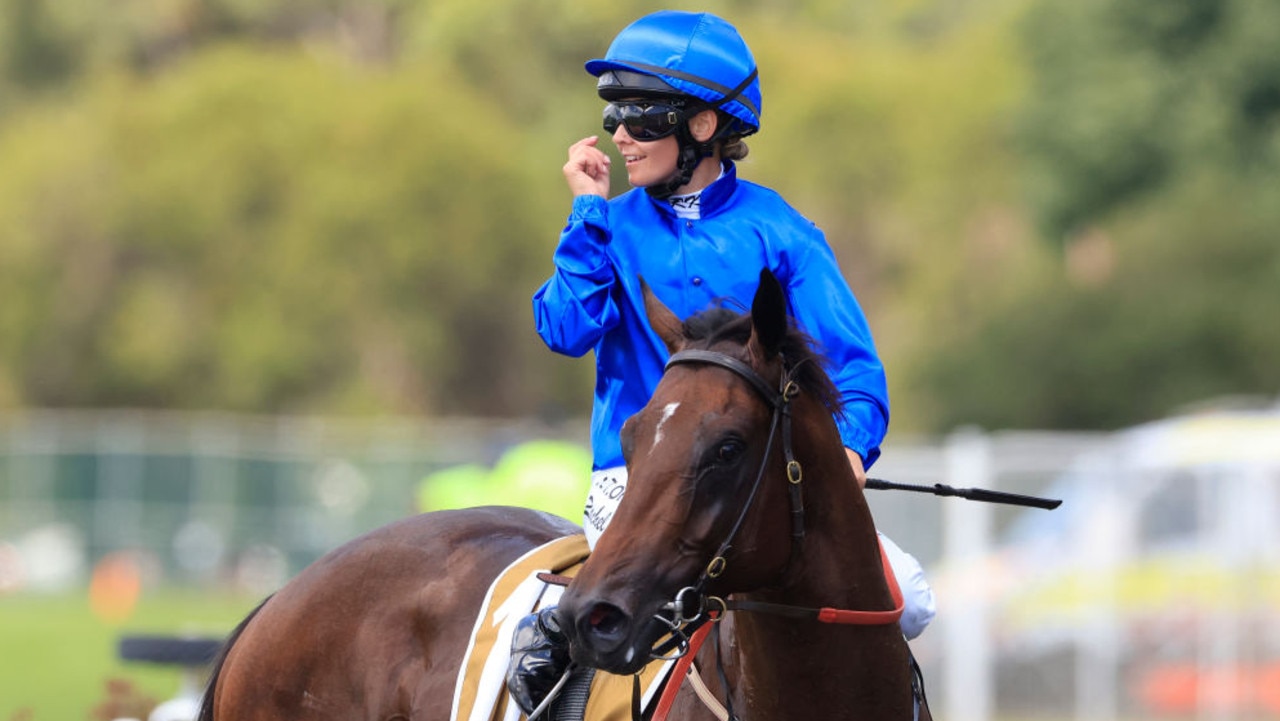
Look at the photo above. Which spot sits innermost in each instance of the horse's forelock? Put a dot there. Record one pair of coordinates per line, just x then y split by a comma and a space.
724, 325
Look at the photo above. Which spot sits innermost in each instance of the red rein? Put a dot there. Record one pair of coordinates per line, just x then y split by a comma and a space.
870, 618
823, 615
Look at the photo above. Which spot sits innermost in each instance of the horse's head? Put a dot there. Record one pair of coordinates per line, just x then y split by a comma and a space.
706, 505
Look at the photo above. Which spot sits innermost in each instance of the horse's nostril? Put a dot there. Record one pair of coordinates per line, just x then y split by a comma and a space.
605, 624
604, 618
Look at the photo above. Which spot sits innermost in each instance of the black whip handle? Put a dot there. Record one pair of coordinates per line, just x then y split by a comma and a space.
972, 494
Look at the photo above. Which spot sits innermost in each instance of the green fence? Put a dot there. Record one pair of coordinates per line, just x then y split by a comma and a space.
204, 498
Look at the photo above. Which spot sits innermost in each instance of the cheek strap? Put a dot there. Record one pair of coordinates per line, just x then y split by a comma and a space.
691, 153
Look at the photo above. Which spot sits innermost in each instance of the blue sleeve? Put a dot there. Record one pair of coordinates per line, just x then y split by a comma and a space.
826, 308
575, 307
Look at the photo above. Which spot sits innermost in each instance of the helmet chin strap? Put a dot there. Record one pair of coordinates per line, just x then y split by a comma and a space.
691, 154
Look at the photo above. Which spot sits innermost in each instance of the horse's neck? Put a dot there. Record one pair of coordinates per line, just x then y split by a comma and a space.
787, 669
840, 559
848, 671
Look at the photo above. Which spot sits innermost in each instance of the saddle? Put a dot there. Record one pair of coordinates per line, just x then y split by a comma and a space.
534, 581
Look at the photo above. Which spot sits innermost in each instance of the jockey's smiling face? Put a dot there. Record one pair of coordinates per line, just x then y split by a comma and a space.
647, 162
653, 161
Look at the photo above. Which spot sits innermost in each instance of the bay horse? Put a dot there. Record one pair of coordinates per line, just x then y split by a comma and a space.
740, 504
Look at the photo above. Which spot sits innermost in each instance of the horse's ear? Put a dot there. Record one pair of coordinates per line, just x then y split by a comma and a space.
768, 316
662, 320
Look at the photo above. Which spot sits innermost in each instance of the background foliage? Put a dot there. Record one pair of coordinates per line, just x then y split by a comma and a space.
1058, 213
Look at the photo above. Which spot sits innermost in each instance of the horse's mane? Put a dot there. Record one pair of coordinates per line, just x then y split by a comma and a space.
799, 350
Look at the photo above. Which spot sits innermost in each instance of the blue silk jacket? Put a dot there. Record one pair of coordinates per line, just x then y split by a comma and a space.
593, 300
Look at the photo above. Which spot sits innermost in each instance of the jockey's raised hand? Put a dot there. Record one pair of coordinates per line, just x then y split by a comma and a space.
587, 170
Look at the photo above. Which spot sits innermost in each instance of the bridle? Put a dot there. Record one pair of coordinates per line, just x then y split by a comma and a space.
687, 618
780, 401
689, 631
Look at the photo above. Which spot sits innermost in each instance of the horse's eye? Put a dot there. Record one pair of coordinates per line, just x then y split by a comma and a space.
729, 450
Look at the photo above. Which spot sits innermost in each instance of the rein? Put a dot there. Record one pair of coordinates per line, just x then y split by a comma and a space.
684, 665
836, 615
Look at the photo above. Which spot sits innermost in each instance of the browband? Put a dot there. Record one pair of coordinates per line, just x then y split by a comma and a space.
730, 363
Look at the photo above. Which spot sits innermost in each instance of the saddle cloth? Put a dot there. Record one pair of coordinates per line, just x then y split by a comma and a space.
481, 692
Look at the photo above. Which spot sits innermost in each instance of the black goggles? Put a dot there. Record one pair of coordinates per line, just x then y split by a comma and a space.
643, 121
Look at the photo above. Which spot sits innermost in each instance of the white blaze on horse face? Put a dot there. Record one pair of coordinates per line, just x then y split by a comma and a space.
667, 412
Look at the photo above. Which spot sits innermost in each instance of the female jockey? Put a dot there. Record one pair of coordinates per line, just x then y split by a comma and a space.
682, 93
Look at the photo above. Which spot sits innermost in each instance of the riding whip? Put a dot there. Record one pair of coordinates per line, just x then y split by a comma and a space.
972, 494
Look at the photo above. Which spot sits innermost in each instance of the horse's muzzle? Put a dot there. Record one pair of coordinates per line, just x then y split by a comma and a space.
604, 636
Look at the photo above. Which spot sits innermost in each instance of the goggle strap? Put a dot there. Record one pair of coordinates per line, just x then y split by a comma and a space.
726, 94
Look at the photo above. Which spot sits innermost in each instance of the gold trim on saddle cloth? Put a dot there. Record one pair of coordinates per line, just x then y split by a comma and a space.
480, 693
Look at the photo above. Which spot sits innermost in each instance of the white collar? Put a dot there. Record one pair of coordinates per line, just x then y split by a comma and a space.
689, 207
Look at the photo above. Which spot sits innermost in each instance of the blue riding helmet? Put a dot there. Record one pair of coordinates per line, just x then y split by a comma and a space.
697, 54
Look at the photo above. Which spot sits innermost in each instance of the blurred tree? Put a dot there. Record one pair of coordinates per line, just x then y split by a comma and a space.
271, 231
344, 205
35, 50
1129, 96
1153, 138
1184, 315
216, 203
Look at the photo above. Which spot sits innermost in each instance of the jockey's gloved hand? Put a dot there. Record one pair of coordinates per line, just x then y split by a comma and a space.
539, 657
